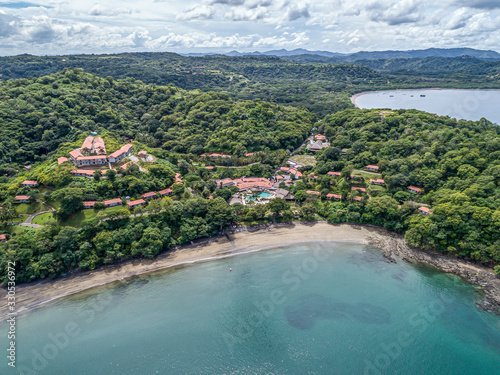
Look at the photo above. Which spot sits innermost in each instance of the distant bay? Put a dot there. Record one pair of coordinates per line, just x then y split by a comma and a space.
460, 104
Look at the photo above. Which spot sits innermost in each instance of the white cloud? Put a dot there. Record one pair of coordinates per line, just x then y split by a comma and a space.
64, 26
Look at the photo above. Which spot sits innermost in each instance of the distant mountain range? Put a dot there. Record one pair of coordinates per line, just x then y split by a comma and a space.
369, 55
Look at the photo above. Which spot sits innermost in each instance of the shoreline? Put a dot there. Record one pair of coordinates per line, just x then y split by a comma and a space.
357, 95
38, 294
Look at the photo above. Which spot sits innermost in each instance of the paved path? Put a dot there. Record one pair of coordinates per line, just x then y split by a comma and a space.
28, 223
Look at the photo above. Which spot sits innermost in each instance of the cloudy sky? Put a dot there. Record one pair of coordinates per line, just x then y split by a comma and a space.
67, 26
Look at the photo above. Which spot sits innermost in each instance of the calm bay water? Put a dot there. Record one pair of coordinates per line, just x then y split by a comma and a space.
324, 308
460, 104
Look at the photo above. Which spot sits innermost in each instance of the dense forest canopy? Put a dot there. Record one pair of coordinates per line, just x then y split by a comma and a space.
322, 85
38, 114
457, 165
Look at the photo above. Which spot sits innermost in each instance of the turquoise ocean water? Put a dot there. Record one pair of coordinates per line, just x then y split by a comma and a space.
323, 308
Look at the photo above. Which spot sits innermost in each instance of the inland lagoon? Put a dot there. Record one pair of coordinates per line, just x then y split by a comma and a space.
460, 104
317, 308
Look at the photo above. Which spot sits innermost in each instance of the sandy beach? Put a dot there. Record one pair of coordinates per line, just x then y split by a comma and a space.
33, 295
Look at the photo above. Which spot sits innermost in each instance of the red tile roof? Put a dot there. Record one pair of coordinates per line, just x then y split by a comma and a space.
335, 196
372, 167
377, 181
75, 154
87, 143
149, 194
61, 160
112, 201
209, 167
2, 237
414, 188
165, 192
136, 202
82, 171
249, 154
354, 188
142, 153
319, 136
425, 209
30, 182
22, 197
89, 203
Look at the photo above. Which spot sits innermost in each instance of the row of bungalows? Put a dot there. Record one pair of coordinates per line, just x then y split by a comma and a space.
377, 181
30, 183
120, 154
216, 155
132, 204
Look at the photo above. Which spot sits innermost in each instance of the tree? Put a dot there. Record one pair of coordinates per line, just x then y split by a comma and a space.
308, 212
277, 206
220, 213
71, 200
97, 175
111, 174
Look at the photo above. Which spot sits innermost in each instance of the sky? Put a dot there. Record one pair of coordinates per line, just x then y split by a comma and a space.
52, 27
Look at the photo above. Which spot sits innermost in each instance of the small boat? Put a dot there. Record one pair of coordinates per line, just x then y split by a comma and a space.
391, 96
422, 96
411, 96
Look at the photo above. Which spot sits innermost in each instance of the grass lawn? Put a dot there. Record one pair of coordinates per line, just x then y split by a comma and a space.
77, 219
55, 204
43, 218
31, 208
